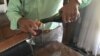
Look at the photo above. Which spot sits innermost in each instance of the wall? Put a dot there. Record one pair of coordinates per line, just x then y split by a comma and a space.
88, 38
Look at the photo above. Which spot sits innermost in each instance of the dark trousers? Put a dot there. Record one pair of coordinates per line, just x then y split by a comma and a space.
23, 49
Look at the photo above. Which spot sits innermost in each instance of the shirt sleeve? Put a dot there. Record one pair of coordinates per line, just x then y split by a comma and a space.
14, 13
85, 3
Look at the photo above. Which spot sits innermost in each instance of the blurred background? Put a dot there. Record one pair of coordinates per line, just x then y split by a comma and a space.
87, 32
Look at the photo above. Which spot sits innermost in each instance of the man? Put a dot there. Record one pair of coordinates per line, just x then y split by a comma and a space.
25, 14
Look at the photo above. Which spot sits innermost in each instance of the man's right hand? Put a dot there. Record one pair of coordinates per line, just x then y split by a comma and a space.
29, 26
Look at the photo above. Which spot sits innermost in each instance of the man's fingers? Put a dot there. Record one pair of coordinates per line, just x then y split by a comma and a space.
32, 31
38, 23
34, 26
29, 26
28, 29
73, 17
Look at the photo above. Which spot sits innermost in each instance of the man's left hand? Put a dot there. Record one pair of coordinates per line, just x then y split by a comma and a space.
70, 12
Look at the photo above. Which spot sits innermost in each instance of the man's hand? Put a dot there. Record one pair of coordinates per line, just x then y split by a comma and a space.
69, 12
29, 26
